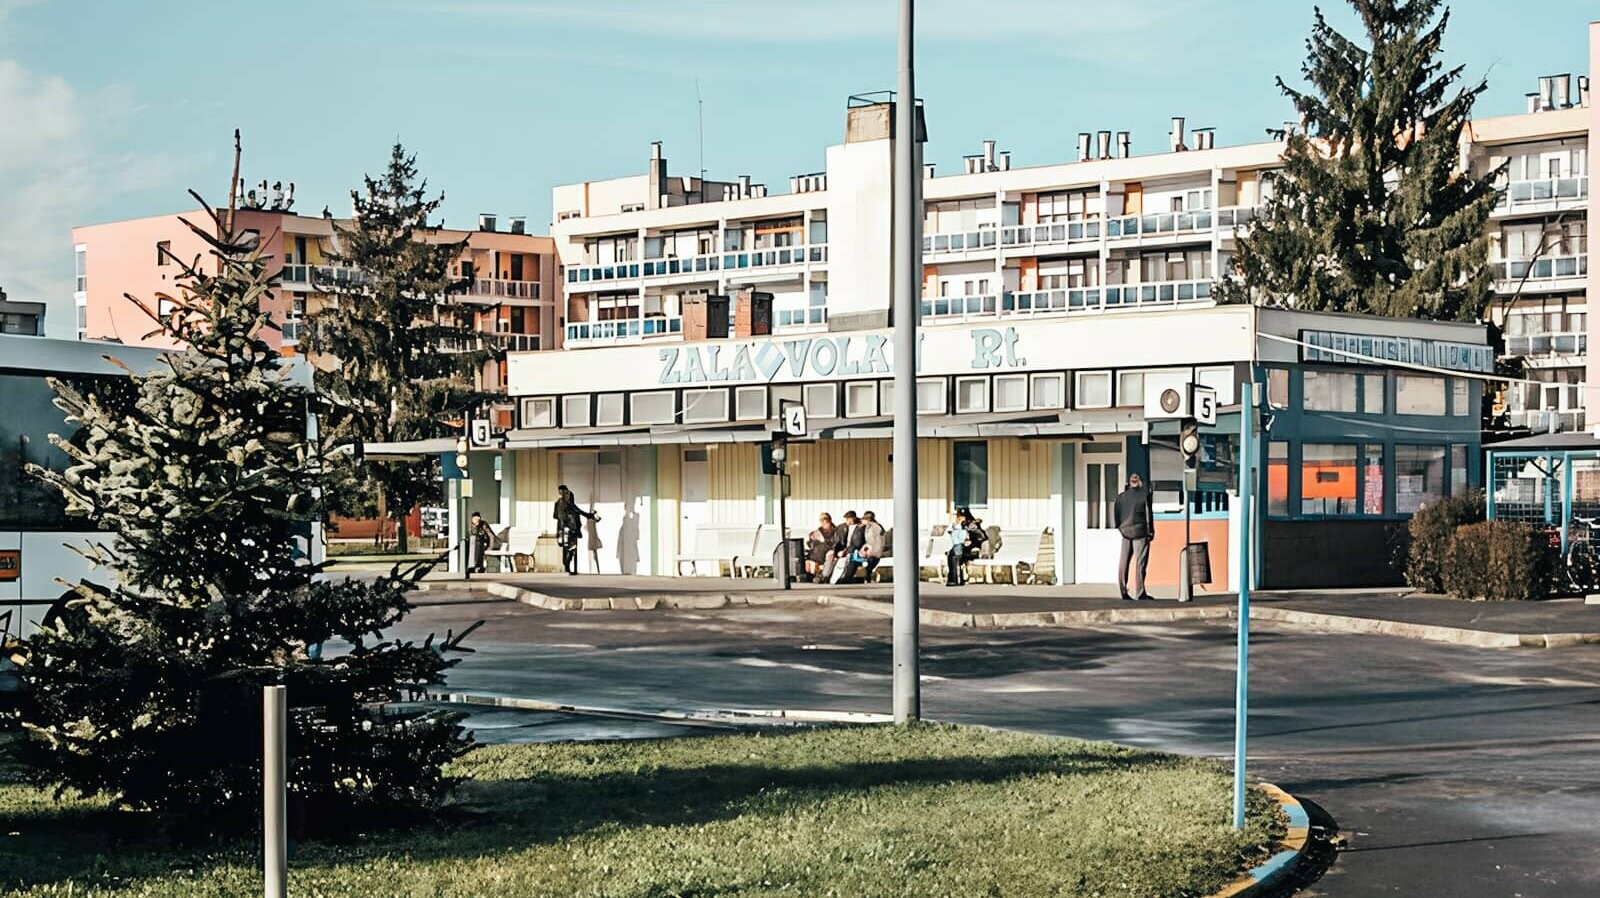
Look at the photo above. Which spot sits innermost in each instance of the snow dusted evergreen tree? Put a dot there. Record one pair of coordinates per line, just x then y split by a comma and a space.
147, 687
1371, 212
402, 358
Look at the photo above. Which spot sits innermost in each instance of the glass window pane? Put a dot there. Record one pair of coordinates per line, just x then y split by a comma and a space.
1049, 390
1372, 480
1372, 394
1458, 470
971, 486
860, 400
1011, 393
1094, 389
1130, 388
972, 395
1329, 391
930, 397
1460, 397
1327, 479
1418, 395
1277, 390
1418, 477
608, 409
1278, 479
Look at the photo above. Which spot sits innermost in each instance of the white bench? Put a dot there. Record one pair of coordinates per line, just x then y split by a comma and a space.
760, 555
931, 547
511, 542
1018, 549
719, 544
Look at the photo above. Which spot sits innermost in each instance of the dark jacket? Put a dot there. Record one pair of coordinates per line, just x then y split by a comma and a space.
852, 537
820, 544
569, 515
1135, 513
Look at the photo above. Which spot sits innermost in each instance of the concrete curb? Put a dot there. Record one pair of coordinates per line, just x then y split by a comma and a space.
1164, 612
1289, 850
714, 718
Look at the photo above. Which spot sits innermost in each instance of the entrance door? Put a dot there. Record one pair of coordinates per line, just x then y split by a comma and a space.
595, 479
1100, 478
695, 490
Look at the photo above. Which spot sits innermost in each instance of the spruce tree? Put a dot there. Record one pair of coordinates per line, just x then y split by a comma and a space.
1371, 212
146, 689
400, 359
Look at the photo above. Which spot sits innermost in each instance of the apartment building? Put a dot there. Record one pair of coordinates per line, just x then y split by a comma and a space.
1540, 251
512, 296
17, 317
1055, 299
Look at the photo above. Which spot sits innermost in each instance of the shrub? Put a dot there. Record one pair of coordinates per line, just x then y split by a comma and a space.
1429, 535
1498, 560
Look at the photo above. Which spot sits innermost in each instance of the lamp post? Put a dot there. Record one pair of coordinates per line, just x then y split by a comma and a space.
907, 223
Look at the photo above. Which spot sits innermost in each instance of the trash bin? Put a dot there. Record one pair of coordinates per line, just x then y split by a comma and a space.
797, 560
1199, 555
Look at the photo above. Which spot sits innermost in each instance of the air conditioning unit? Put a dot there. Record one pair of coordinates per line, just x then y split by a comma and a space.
1169, 402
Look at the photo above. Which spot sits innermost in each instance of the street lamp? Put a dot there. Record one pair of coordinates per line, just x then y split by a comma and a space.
907, 221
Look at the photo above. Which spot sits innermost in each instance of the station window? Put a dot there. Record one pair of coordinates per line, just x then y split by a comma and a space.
1011, 393
822, 400
1458, 470
1221, 379
1460, 393
1329, 391
1418, 395
930, 396
1328, 479
972, 394
608, 410
540, 412
1049, 391
750, 403
575, 411
1372, 394
1278, 479
1093, 390
971, 468
653, 408
1130, 388
1419, 477
860, 399
705, 406
1278, 389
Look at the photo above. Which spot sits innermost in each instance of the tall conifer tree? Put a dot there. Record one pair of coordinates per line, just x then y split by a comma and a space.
1372, 212
399, 357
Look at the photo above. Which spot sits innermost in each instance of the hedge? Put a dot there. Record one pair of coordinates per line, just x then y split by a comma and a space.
1430, 532
1498, 560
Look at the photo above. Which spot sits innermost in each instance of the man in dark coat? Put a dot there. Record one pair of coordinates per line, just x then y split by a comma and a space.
569, 527
1135, 518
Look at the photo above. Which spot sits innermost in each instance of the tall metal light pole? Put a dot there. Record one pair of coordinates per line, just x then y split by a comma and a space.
907, 286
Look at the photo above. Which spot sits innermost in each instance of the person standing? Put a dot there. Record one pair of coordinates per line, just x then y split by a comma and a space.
482, 540
966, 538
569, 527
1134, 514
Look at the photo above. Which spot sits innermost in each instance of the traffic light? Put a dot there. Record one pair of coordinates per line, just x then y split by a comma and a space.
1189, 443
775, 453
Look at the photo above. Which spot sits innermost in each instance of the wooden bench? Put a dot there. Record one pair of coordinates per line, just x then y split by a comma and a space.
720, 544
1018, 549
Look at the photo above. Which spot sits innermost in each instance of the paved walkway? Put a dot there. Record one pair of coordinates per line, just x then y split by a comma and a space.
981, 604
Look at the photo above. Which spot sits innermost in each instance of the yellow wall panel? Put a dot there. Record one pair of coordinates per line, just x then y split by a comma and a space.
668, 479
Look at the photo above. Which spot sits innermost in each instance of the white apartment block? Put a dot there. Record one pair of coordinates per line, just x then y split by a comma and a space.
656, 257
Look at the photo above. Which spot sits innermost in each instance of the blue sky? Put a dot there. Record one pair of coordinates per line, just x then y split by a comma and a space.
112, 108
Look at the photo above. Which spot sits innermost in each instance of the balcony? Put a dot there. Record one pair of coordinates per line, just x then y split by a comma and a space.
736, 260
958, 308
1543, 195
1086, 231
1549, 274
504, 289
1160, 224
621, 331
319, 277
960, 242
515, 342
1549, 344
1110, 298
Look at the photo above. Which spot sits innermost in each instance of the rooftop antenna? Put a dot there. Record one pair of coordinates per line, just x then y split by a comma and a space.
700, 105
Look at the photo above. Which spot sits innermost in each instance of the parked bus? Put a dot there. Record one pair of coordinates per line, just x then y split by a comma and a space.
35, 532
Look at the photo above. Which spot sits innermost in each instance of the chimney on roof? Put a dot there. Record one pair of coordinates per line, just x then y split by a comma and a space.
927, 171
1533, 102
988, 155
1205, 138
1084, 141
1005, 161
1564, 90
744, 186
1176, 134
656, 173
1124, 144
519, 224
1547, 92
1102, 141
1583, 90
486, 222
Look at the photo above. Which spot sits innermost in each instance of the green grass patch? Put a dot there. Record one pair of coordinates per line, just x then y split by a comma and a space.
927, 810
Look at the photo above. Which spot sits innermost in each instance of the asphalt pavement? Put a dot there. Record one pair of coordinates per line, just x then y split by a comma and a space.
1452, 771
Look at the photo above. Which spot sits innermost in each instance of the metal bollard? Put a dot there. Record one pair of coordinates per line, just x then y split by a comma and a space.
274, 789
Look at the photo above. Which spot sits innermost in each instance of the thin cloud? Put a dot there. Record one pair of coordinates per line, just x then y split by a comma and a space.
1065, 22
53, 174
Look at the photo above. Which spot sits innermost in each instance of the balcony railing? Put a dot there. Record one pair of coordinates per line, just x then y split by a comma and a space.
1107, 298
959, 307
1548, 268
1159, 224
963, 241
1237, 216
1087, 230
1563, 343
1543, 191
505, 289
516, 342
624, 330
733, 260
318, 276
